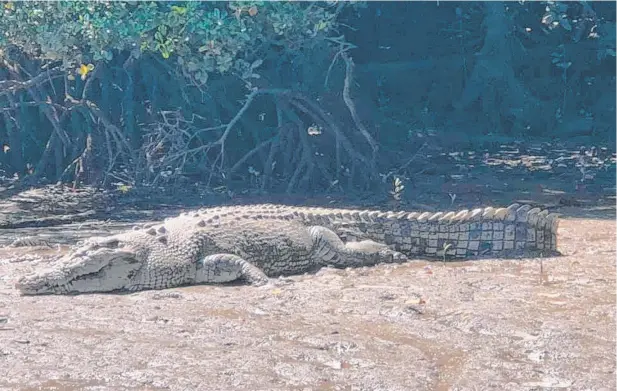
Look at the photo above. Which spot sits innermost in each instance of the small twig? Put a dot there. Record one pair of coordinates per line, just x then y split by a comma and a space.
71, 164
352, 107
253, 151
92, 76
11, 86
116, 133
240, 113
269, 164
336, 56
408, 162
343, 47
32, 86
121, 179
111, 157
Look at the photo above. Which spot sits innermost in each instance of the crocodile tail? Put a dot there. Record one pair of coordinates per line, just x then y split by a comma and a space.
517, 229
527, 227
513, 231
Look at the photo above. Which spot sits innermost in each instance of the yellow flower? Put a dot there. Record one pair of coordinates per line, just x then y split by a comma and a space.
84, 70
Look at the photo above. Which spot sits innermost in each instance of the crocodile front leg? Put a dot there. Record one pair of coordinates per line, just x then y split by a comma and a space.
220, 268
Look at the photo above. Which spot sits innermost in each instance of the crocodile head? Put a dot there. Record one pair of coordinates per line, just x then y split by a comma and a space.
99, 265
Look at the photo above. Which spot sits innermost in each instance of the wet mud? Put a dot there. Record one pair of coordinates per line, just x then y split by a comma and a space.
532, 324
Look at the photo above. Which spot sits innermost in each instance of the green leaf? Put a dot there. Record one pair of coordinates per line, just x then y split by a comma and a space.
178, 10
202, 77
256, 63
192, 67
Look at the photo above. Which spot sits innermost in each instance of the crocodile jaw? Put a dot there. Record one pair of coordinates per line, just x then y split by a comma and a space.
87, 270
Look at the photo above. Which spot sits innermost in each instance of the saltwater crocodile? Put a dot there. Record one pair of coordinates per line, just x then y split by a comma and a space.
257, 242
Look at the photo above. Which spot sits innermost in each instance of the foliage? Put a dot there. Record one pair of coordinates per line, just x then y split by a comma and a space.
579, 21
276, 96
201, 37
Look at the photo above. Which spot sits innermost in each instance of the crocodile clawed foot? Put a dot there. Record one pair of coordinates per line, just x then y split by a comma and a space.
392, 256
279, 282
